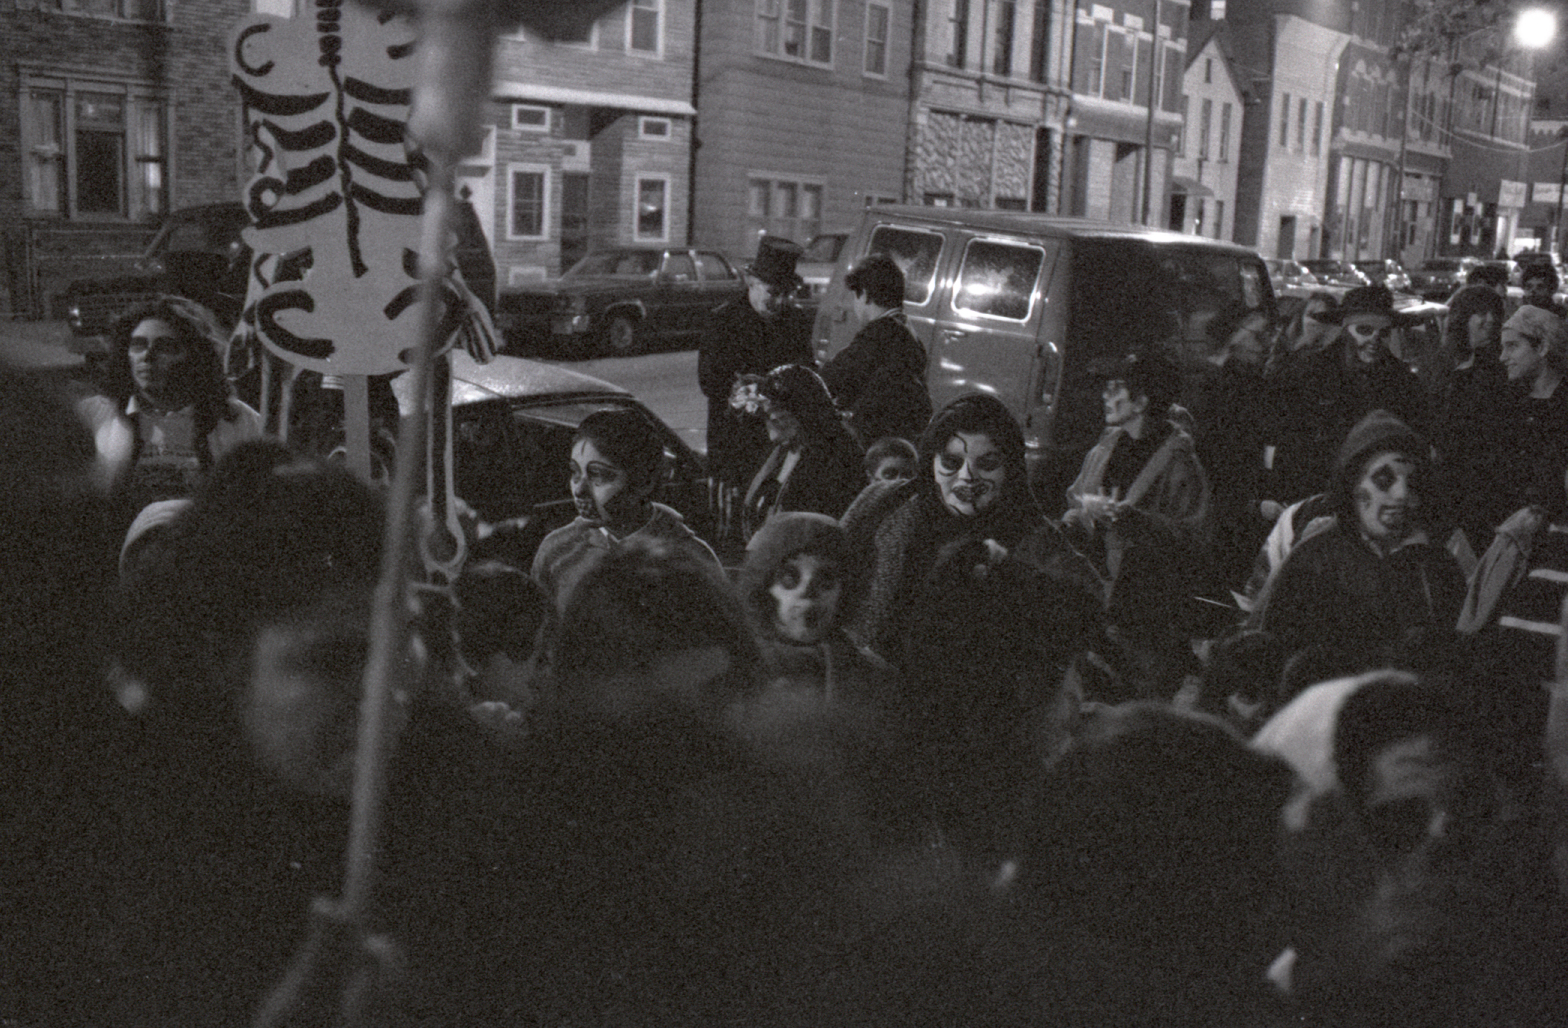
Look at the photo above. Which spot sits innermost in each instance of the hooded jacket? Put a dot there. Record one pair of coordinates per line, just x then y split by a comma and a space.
1336, 590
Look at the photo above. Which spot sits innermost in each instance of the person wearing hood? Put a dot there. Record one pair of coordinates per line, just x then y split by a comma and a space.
616, 464
1319, 397
880, 377
971, 484
815, 464
799, 583
1362, 585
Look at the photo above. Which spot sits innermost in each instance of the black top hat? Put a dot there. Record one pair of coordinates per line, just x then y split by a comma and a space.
1365, 300
775, 262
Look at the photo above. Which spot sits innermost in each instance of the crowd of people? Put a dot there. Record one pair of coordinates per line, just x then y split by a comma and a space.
1258, 725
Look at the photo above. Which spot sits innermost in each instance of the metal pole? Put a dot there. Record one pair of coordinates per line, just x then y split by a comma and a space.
1562, 184
1148, 141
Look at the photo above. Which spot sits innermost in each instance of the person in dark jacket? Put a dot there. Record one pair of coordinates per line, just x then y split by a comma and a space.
1320, 397
1362, 586
1470, 404
815, 464
880, 377
750, 337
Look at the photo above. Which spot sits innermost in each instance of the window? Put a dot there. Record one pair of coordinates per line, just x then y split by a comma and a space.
796, 30
1317, 127
1224, 156
916, 255
528, 197
878, 18
959, 20
642, 26
129, 10
783, 207
1219, 219
715, 268
653, 128
94, 148
652, 209
997, 280
679, 267
1205, 122
1301, 125
1040, 42
1095, 86
1002, 50
1208, 70
1284, 120
529, 118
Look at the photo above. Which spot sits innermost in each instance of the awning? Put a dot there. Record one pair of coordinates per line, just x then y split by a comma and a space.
1192, 187
591, 98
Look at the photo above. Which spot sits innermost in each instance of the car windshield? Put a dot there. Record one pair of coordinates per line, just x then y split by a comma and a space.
824, 249
622, 263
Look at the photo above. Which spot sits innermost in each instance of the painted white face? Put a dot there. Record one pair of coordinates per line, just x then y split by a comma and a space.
1386, 498
1120, 408
806, 592
1369, 334
1522, 357
600, 488
764, 299
156, 354
969, 471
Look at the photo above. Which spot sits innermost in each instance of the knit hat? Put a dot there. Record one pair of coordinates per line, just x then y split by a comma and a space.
1538, 326
1378, 432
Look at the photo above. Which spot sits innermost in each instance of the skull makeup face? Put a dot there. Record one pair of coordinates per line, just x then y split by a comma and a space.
969, 471
1386, 498
806, 590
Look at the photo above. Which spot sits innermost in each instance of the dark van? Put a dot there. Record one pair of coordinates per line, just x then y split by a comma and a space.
1020, 305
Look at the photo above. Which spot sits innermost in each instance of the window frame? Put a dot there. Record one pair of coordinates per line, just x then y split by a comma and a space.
1034, 286
538, 130
543, 171
770, 223
76, 9
143, 194
664, 214
886, 10
812, 25
645, 120
1224, 155
657, 9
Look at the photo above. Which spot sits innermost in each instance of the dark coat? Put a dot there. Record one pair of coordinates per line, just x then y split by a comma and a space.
739, 341
826, 480
880, 380
1319, 398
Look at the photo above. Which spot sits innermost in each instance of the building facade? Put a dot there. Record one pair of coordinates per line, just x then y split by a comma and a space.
802, 114
589, 140
1128, 59
1203, 171
112, 113
989, 105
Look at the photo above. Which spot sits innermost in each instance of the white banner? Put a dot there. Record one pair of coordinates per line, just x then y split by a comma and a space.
1545, 192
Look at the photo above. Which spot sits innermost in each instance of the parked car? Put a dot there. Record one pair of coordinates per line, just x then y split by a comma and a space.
512, 426
198, 253
620, 301
817, 263
1024, 306
1335, 272
1389, 272
1437, 277
1291, 278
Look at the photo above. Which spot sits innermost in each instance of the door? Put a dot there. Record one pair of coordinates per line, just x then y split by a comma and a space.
574, 217
988, 335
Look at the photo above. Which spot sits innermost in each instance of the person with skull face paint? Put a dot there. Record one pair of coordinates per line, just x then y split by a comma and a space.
615, 466
799, 583
1374, 577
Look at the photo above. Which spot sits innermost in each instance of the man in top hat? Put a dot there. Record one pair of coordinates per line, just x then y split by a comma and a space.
1321, 397
750, 337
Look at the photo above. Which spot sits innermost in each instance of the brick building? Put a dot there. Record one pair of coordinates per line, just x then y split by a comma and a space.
112, 112
590, 140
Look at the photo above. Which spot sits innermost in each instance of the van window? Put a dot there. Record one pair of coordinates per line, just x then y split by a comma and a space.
997, 279
914, 252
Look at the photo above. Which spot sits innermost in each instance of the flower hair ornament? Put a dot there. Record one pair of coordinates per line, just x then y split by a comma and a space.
746, 397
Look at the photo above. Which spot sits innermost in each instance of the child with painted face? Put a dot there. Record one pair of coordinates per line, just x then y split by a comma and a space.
616, 462
1366, 583
799, 582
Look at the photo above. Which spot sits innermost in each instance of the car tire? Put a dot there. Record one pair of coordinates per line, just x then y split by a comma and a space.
620, 336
